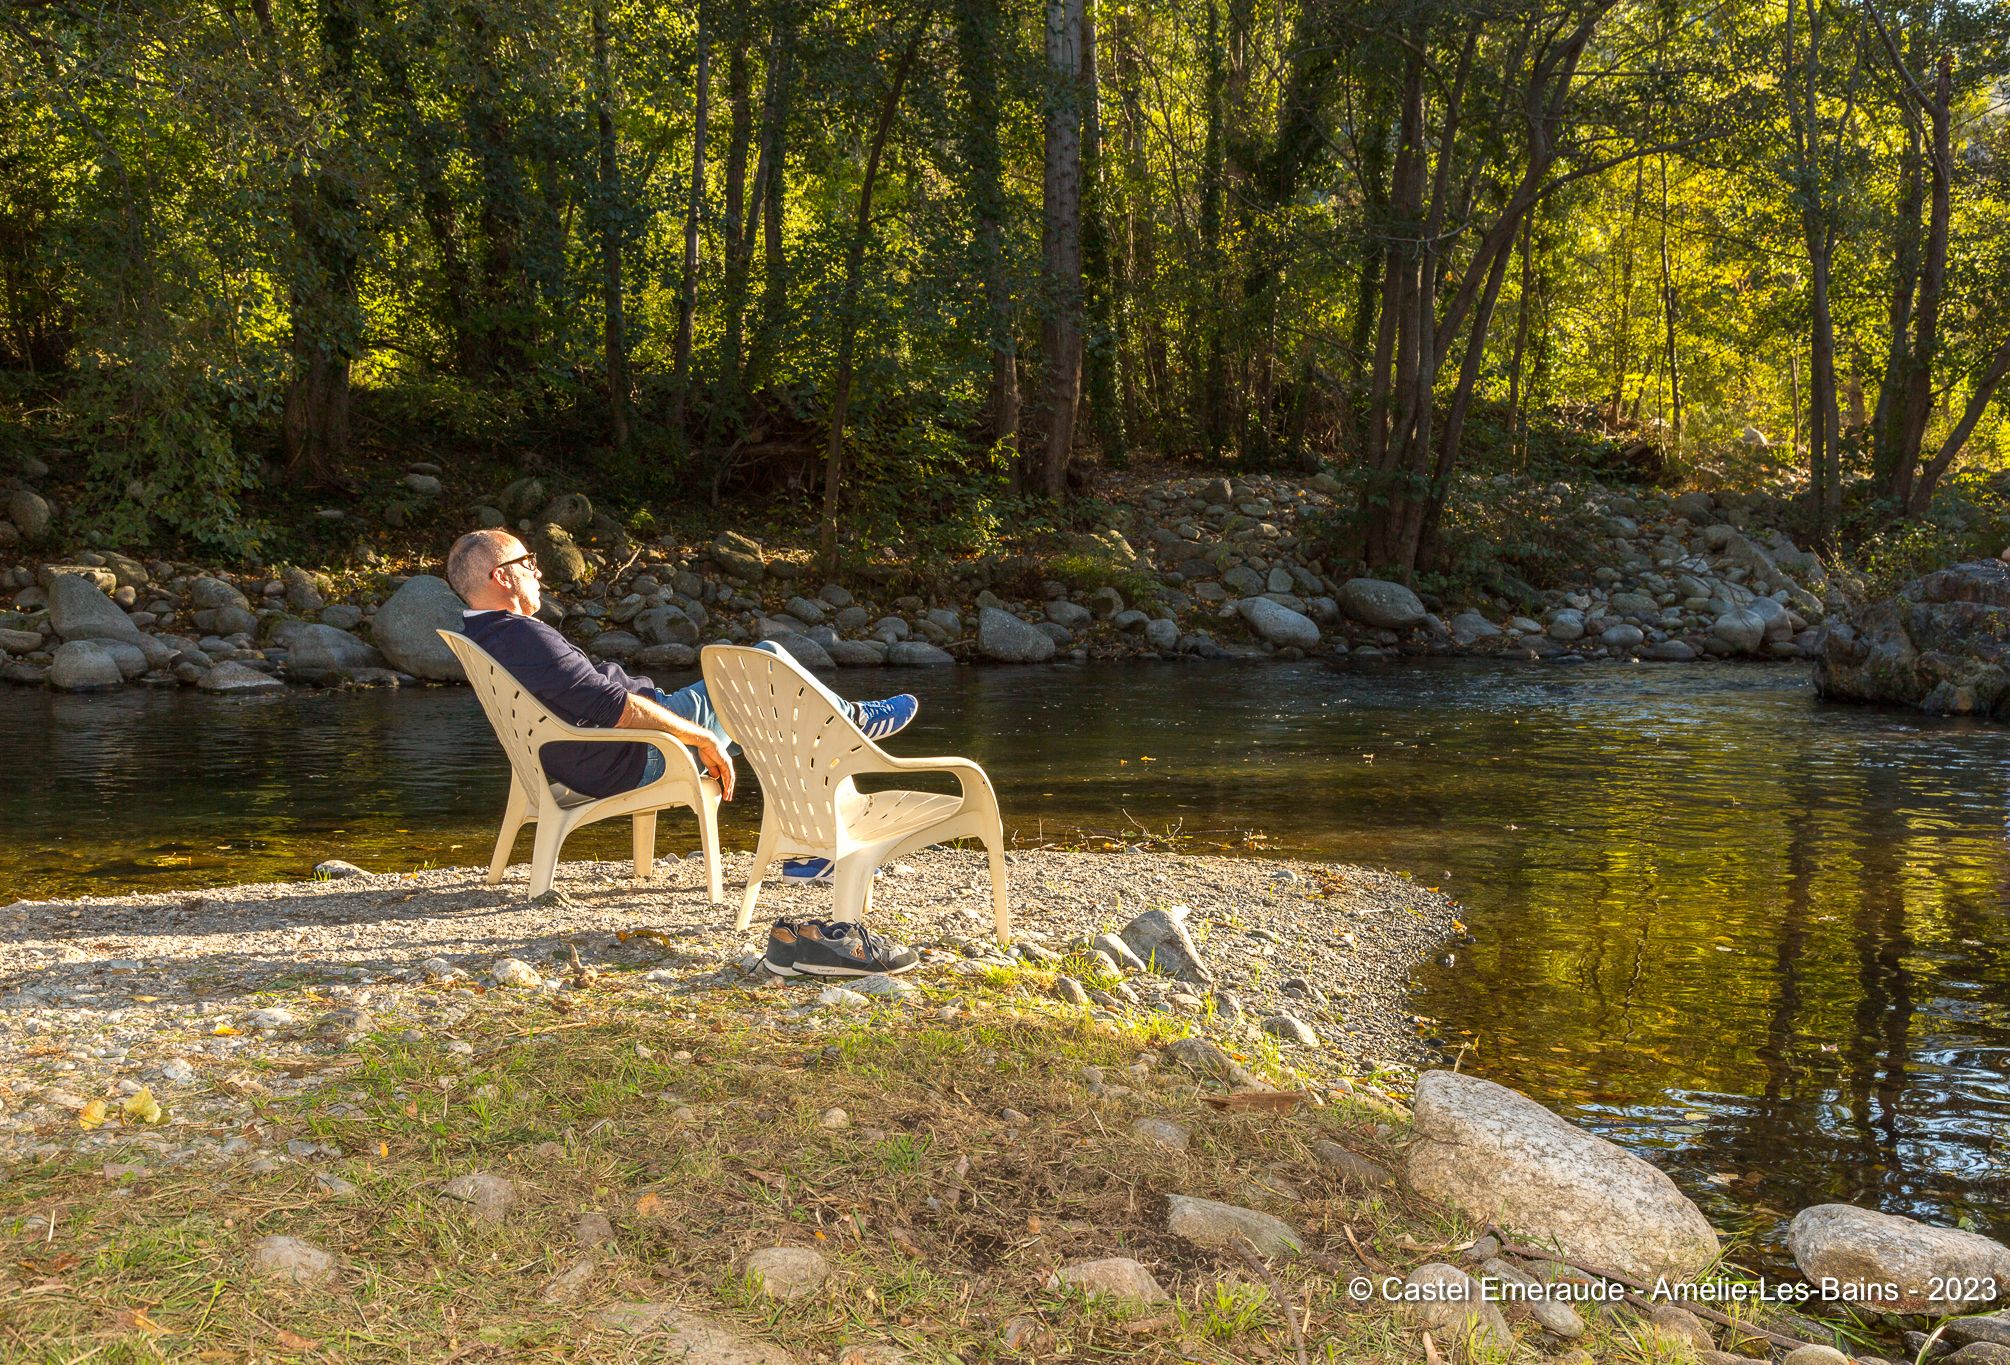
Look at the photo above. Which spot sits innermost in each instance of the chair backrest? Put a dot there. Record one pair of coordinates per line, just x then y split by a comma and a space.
519, 719
792, 730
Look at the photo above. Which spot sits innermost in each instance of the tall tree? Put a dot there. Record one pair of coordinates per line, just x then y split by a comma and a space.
687, 286
978, 42
1061, 241
613, 327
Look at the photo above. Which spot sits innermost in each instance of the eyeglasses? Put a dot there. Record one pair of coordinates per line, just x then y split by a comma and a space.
529, 559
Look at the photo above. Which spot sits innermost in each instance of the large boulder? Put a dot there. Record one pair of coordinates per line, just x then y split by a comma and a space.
1005, 638
559, 557
1941, 645
1377, 602
666, 625
1160, 940
1871, 1252
213, 594
407, 629
1497, 1156
85, 666
79, 610
1278, 624
317, 653
1739, 631
29, 513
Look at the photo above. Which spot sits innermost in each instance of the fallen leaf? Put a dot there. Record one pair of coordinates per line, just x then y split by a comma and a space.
1140, 1326
223, 1031
136, 1319
92, 1115
1431, 1356
649, 1205
1257, 1101
142, 1105
291, 1341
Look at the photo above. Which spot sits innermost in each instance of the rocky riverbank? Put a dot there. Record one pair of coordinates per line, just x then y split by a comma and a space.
1190, 568
266, 1114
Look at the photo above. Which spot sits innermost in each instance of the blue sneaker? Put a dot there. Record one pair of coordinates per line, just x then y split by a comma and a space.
814, 869
886, 717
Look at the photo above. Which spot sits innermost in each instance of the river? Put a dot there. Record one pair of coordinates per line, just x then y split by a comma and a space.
1762, 938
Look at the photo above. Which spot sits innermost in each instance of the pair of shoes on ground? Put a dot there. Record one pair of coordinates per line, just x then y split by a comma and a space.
826, 947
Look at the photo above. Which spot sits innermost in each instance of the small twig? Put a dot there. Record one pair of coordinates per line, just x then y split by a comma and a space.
1284, 1302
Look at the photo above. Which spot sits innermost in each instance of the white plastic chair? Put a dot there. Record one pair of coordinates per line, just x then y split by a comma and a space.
807, 753
524, 726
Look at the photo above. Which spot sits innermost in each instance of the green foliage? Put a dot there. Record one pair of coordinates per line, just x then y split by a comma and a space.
1970, 521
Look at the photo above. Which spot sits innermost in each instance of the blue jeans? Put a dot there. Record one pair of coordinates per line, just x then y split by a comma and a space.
694, 704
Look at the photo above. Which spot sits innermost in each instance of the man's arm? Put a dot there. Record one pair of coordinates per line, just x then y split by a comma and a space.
641, 713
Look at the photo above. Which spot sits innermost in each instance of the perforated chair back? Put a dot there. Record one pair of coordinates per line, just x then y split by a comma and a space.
793, 733
519, 719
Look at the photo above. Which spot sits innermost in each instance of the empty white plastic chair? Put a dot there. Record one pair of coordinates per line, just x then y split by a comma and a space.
807, 752
524, 726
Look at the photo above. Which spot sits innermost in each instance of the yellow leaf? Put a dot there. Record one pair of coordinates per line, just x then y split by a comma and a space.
1146, 758
289, 1341
383, 1149
649, 1205
92, 1115
142, 1105
223, 1031
137, 1319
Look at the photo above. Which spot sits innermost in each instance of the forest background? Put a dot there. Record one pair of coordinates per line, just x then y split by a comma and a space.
907, 268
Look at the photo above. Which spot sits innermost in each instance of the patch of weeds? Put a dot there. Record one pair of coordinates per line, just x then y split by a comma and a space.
1228, 1310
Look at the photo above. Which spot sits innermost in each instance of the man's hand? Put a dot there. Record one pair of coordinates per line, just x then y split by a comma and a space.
641, 713
717, 763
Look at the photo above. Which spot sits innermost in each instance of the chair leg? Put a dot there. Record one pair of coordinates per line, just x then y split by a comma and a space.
764, 853
708, 843
515, 812
1001, 914
854, 889
645, 846
551, 832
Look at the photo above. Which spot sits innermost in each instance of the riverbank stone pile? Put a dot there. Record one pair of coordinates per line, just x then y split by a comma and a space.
1193, 568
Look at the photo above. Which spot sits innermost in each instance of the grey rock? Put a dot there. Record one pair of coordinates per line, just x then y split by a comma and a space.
1162, 634
806, 610
1739, 631
406, 629
514, 971
342, 616
335, 870
214, 594
1117, 1277
1468, 627
1007, 639
1291, 1029
1163, 1132
294, 1260
79, 610
836, 595
304, 591
1130, 620
1119, 951
916, 654
1159, 939
1565, 625
425, 485
1814, 1355
1621, 637
592, 1229
1553, 1315
1376, 602
1278, 624
1070, 991
788, 1273
572, 512
1499, 1157
225, 621
236, 679
559, 557
1864, 1248
1980, 1353
1068, 615
681, 1335
806, 652
614, 644
488, 1197
1206, 1060
20, 641
739, 556
318, 653
1352, 1167
863, 653
1229, 1227
1448, 1302
1992, 1328
1679, 1325
659, 657
1669, 651
665, 625
84, 666
29, 512
1940, 645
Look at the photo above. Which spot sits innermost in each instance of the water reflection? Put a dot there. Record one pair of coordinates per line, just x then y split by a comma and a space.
1765, 940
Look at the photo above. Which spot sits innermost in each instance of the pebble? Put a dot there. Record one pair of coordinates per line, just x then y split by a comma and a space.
1291, 1029
293, 1259
514, 971
788, 1273
1164, 1132
834, 1118
489, 1197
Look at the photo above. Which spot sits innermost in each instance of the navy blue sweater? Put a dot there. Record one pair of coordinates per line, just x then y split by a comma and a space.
575, 689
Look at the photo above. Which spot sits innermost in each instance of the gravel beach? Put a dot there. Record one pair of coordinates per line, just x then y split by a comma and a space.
173, 991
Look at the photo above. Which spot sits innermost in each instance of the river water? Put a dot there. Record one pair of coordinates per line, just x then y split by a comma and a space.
1764, 939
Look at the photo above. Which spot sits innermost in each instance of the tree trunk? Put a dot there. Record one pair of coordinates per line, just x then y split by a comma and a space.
1062, 240
611, 217
1104, 307
502, 322
854, 267
326, 319
687, 289
977, 51
1204, 302
1669, 314
739, 96
768, 205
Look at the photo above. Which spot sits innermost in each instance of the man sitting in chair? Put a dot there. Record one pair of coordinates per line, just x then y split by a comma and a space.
499, 580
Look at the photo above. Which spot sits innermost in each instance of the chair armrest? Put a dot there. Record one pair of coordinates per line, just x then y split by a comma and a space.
967, 772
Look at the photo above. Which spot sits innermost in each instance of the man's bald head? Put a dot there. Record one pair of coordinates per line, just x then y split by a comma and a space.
474, 557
